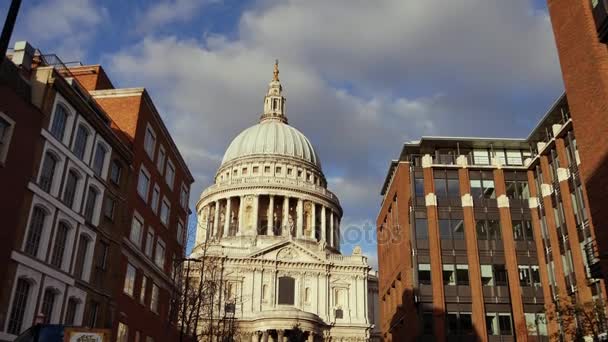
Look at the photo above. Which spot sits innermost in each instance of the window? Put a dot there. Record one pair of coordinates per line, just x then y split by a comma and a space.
289, 171
80, 143
491, 324
244, 171
525, 276
32, 243
266, 169
160, 161
457, 227
137, 227
69, 193
142, 291
453, 188
494, 229
500, 275
115, 171
504, 322
122, 335
487, 278
60, 120
476, 189
419, 187
149, 242
165, 212
422, 231
183, 198
499, 156
93, 313
307, 295
440, 187
22, 292
452, 320
488, 189
424, 274
481, 157
102, 259
514, 158
517, 190
100, 158
129, 284
109, 208
264, 292
47, 173
286, 290
462, 274
48, 304
155, 198
449, 275
427, 323
170, 175
89, 208
61, 238
143, 183
518, 230
256, 169
150, 142
536, 324
482, 229
180, 233
444, 229
534, 270
70, 311
466, 323
159, 256
154, 298
83, 247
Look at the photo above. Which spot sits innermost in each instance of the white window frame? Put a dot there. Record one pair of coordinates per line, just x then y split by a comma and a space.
34, 277
88, 259
5, 145
136, 218
86, 158
149, 248
80, 186
46, 230
143, 170
150, 149
67, 135
160, 159
99, 203
128, 286
165, 219
58, 174
170, 176
514, 157
481, 157
106, 162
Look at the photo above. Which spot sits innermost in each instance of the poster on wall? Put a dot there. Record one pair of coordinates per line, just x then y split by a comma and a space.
86, 335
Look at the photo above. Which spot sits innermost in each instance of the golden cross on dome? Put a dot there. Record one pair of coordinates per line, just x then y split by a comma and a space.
276, 70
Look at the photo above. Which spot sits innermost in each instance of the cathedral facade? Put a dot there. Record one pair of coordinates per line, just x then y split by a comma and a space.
275, 228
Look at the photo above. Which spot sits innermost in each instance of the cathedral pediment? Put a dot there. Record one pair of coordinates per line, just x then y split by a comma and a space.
288, 251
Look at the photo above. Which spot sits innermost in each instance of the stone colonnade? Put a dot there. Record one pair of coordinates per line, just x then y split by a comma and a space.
277, 335
272, 215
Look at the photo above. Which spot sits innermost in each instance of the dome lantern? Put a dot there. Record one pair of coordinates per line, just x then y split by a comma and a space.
274, 102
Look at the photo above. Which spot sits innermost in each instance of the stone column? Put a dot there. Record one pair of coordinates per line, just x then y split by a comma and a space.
313, 218
265, 336
311, 337
227, 217
331, 228
285, 222
241, 222
216, 218
300, 218
256, 205
271, 216
280, 335
323, 223
257, 336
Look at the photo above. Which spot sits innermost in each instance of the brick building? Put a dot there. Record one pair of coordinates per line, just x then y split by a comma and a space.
78, 233
584, 64
477, 237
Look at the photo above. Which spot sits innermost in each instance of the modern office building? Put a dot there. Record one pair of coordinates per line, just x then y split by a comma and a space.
95, 202
479, 237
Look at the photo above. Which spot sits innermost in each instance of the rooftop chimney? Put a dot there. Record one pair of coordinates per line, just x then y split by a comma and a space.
23, 54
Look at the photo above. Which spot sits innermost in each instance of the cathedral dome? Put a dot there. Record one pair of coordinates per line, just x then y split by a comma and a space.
272, 137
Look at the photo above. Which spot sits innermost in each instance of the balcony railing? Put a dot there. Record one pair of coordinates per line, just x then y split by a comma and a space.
591, 252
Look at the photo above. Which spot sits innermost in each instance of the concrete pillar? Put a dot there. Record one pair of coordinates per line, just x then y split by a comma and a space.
256, 205
323, 224
271, 216
331, 228
241, 221
285, 220
216, 219
300, 219
227, 217
313, 218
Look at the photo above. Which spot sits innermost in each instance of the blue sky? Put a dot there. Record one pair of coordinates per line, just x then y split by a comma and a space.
360, 77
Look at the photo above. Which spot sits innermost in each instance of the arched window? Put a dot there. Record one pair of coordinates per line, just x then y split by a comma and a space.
61, 238
89, 208
100, 157
80, 144
70, 311
307, 295
264, 292
59, 122
83, 246
32, 243
48, 304
47, 172
70, 188
22, 292
287, 287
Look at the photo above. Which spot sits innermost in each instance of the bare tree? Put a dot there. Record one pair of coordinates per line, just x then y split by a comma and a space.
577, 321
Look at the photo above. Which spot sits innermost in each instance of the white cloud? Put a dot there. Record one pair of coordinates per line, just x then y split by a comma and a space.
66, 25
360, 79
169, 11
